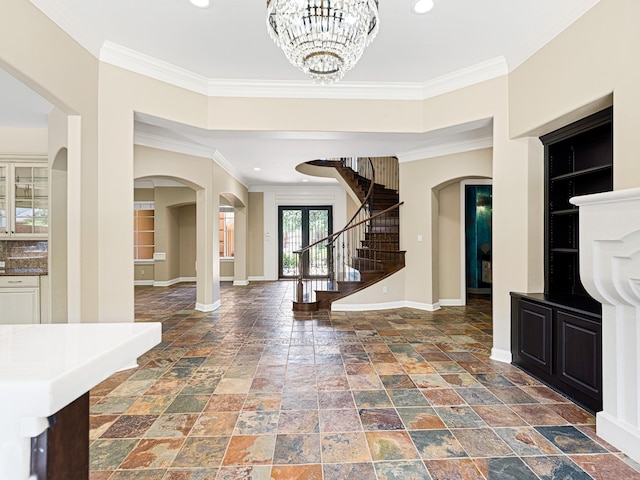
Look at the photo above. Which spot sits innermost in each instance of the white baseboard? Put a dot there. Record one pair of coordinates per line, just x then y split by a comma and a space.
365, 306
201, 307
226, 279
256, 279
240, 283
168, 283
429, 307
336, 307
619, 433
501, 355
143, 283
451, 302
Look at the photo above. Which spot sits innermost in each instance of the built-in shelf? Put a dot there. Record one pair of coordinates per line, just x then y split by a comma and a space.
579, 173
568, 211
564, 250
556, 335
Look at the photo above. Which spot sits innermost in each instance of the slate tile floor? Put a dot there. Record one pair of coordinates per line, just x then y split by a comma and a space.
253, 391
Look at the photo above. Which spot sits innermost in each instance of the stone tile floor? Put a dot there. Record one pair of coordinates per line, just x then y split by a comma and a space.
253, 391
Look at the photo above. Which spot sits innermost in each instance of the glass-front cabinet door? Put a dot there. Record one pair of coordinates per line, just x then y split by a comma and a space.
24, 200
4, 201
31, 206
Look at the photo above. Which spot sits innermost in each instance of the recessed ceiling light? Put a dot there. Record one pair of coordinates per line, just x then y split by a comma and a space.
256, 169
422, 6
305, 180
201, 3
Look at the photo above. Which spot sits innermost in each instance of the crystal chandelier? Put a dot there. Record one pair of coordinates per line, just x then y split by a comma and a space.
324, 38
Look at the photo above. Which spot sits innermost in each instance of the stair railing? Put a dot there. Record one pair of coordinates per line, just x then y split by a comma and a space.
324, 250
338, 248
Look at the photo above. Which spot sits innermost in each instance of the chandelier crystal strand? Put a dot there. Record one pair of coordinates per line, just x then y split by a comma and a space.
323, 38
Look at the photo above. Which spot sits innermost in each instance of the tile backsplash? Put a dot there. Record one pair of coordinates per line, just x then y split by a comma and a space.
24, 254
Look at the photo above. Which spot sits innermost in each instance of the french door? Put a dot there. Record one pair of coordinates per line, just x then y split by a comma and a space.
299, 227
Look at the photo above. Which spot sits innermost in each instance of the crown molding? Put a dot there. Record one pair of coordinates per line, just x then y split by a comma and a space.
62, 16
445, 149
137, 62
131, 60
559, 23
156, 141
465, 77
142, 64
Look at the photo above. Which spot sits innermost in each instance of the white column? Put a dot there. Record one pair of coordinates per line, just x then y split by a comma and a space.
610, 271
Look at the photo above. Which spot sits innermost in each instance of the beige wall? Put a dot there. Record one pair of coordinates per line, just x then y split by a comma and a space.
421, 183
255, 251
23, 141
169, 204
450, 256
581, 71
226, 269
52, 64
187, 226
144, 273
143, 194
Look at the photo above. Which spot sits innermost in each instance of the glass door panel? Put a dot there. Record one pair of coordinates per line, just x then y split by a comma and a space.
31, 211
290, 240
298, 228
318, 229
4, 207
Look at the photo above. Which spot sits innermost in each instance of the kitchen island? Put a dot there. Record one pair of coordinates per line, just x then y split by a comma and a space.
46, 368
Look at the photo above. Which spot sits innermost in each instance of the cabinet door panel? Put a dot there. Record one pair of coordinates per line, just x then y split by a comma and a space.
580, 353
19, 305
534, 335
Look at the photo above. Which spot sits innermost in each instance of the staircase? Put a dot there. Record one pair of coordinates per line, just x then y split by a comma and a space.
367, 250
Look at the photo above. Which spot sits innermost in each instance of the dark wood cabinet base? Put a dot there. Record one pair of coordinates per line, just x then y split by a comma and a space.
559, 341
62, 451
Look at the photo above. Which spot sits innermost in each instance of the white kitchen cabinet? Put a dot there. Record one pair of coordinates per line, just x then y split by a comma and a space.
24, 199
19, 299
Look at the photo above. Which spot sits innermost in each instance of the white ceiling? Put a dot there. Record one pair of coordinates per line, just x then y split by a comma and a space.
229, 42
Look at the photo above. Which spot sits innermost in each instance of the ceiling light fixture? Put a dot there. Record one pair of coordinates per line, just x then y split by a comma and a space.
323, 38
200, 3
422, 6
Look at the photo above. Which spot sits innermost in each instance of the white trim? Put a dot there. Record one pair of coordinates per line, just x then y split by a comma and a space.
617, 432
226, 279
501, 355
240, 283
346, 307
137, 62
146, 261
211, 307
452, 302
445, 149
151, 67
162, 143
465, 77
168, 283
463, 223
337, 307
429, 307
143, 283
256, 279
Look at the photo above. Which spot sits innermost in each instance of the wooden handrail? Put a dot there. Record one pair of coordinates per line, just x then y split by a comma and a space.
349, 227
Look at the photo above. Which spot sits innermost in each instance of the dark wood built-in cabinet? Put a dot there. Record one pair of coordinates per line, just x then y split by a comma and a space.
556, 335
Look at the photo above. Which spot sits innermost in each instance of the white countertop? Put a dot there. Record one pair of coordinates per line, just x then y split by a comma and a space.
43, 368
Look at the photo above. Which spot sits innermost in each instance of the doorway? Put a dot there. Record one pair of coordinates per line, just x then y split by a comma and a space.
299, 227
478, 238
